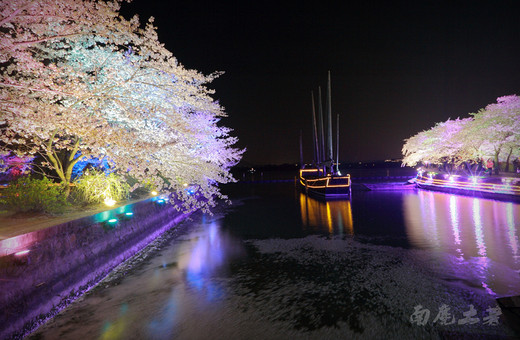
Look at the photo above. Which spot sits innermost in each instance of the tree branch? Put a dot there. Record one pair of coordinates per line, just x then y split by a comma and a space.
15, 13
32, 42
35, 89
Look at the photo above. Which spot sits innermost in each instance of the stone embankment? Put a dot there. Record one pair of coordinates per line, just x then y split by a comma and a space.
42, 271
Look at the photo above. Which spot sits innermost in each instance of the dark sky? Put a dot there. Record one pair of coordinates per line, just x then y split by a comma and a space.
397, 67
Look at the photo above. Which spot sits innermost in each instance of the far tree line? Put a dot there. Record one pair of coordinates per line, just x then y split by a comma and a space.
491, 134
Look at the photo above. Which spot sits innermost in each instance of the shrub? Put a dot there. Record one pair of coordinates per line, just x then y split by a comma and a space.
38, 195
142, 188
95, 186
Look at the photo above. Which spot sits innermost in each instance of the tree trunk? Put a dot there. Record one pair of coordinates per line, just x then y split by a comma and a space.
63, 168
497, 165
506, 168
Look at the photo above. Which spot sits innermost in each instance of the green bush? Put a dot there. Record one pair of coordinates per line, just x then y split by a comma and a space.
38, 195
95, 186
143, 187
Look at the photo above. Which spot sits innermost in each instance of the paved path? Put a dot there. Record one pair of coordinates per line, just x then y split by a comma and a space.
13, 225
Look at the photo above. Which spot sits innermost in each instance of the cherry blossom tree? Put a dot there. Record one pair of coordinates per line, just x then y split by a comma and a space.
499, 124
417, 148
492, 132
80, 81
438, 145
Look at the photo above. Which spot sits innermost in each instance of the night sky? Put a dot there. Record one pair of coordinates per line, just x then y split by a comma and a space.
397, 67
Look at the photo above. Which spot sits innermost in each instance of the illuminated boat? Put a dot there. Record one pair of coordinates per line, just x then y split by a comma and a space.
323, 179
316, 183
493, 187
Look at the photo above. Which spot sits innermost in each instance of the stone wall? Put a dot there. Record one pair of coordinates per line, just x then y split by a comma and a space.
43, 271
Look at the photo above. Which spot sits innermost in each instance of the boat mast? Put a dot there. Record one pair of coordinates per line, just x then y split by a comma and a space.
320, 129
315, 134
301, 150
337, 145
329, 128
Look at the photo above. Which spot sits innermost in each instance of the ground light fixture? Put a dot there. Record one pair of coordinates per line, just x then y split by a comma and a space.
22, 253
109, 202
127, 215
111, 222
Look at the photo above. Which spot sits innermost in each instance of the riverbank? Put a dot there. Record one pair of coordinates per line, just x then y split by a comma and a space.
47, 262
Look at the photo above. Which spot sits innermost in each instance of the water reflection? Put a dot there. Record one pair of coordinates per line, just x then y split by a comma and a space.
481, 234
202, 259
207, 254
333, 217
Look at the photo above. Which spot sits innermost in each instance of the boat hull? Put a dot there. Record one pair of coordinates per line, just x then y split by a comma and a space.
315, 183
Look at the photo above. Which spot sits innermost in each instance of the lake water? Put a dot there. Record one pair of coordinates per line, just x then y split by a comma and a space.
278, 264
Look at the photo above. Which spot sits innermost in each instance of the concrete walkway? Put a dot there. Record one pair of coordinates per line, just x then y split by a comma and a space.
17, 224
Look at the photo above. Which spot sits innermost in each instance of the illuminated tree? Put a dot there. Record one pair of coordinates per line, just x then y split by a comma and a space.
417, 148
499, 126
471, 141
492, 132
440, 144
80, 81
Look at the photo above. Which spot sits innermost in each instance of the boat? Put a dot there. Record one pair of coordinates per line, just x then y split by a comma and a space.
503, 188
323, 179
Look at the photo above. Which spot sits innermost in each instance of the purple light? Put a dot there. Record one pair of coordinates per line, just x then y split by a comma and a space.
18, 243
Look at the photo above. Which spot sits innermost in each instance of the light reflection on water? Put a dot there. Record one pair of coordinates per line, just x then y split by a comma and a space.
205, 256
470, 240
481, 234
202, 256
184, 291
335, 216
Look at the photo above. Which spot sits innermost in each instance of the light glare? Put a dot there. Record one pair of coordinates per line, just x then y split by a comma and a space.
23, 252
109, 202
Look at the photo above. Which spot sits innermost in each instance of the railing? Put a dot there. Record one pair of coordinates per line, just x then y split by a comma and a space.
323, 182
492, 185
